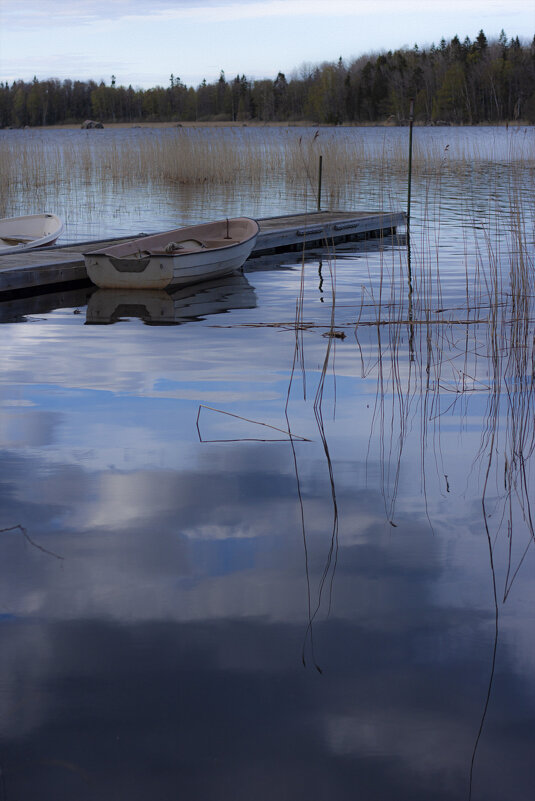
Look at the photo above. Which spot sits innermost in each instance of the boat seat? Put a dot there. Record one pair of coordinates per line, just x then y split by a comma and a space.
174, 248
15, 239
184, 244
220, 243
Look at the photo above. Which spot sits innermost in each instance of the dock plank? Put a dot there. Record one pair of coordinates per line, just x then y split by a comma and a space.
63, 264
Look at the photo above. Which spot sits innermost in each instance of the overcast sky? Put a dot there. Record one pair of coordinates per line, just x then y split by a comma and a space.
142, 42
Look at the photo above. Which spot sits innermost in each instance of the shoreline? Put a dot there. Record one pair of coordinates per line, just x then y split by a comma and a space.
74, 126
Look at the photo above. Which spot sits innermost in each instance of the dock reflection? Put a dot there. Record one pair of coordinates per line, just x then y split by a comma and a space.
19, 309
161, 307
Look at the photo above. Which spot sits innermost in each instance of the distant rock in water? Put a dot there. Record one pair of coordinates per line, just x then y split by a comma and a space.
92, 124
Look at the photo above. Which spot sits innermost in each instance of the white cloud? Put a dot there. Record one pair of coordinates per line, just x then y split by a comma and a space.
84, 12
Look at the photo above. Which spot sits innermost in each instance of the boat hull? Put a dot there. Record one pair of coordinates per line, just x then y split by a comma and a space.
18, 234
202, 256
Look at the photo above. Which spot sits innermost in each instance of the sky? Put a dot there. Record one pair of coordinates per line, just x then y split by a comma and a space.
143, 42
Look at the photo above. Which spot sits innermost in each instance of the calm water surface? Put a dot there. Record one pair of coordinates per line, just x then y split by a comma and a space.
194, 602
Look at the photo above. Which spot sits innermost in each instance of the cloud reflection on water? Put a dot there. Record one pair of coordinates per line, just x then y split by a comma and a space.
162, 654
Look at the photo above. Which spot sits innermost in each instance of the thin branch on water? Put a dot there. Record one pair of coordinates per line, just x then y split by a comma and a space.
302, 325
246, 420
27, 537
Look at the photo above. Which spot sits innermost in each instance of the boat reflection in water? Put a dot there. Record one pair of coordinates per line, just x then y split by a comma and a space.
164, 307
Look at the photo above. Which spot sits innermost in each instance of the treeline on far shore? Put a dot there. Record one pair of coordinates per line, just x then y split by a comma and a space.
468, 82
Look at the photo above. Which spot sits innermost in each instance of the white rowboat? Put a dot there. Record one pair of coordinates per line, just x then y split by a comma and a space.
179, 257
18, 234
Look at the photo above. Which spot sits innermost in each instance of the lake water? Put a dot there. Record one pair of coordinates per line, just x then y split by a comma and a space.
254, 552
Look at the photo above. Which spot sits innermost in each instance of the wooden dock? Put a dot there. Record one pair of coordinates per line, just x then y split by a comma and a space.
48, 268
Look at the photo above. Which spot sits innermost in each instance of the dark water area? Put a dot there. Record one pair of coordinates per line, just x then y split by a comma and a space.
249, 551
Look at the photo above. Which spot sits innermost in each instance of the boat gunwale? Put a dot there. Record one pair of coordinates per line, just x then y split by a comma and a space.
156, 253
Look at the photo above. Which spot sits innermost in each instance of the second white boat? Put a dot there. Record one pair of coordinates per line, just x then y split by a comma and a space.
18, 234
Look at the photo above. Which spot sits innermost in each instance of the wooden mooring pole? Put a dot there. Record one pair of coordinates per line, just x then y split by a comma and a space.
409, 268
411, 120
319, 183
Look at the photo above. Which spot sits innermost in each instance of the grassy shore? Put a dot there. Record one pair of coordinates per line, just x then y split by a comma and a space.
388, 123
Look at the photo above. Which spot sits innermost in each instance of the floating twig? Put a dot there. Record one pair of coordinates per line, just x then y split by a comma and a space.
247, 420
29, 539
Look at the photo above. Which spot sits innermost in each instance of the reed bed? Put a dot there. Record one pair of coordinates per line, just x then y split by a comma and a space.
189, 156
441, 327
434, 368
437, 346
432, 359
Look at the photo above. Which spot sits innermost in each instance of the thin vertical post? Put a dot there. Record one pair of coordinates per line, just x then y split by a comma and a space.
411, 120
409, 268
319, 183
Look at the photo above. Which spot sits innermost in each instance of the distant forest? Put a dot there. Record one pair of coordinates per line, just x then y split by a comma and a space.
469, 82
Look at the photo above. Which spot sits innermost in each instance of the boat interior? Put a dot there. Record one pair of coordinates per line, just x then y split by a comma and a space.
214, 235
